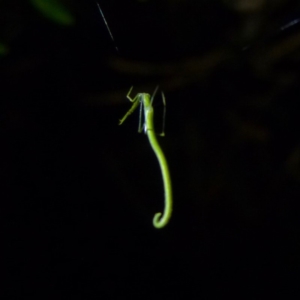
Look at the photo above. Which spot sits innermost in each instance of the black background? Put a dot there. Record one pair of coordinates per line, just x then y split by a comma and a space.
78, 192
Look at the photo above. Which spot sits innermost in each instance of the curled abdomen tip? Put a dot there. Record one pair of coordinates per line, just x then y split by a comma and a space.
157, 221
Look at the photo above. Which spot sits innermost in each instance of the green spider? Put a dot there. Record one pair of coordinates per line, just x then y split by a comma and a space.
145, 101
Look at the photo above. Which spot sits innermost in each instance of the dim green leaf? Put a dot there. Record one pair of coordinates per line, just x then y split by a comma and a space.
3, 49
54, 10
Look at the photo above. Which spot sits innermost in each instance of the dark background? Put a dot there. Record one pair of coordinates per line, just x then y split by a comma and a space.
78, 192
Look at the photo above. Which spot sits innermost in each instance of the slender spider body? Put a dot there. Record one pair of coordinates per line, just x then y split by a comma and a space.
145, 101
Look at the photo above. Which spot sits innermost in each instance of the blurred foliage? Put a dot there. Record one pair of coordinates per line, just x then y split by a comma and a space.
55, 10
3, 49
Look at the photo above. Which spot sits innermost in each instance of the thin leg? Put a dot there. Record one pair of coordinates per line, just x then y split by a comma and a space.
133, 107
164, 114
128, 97
140, 117
153, 95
